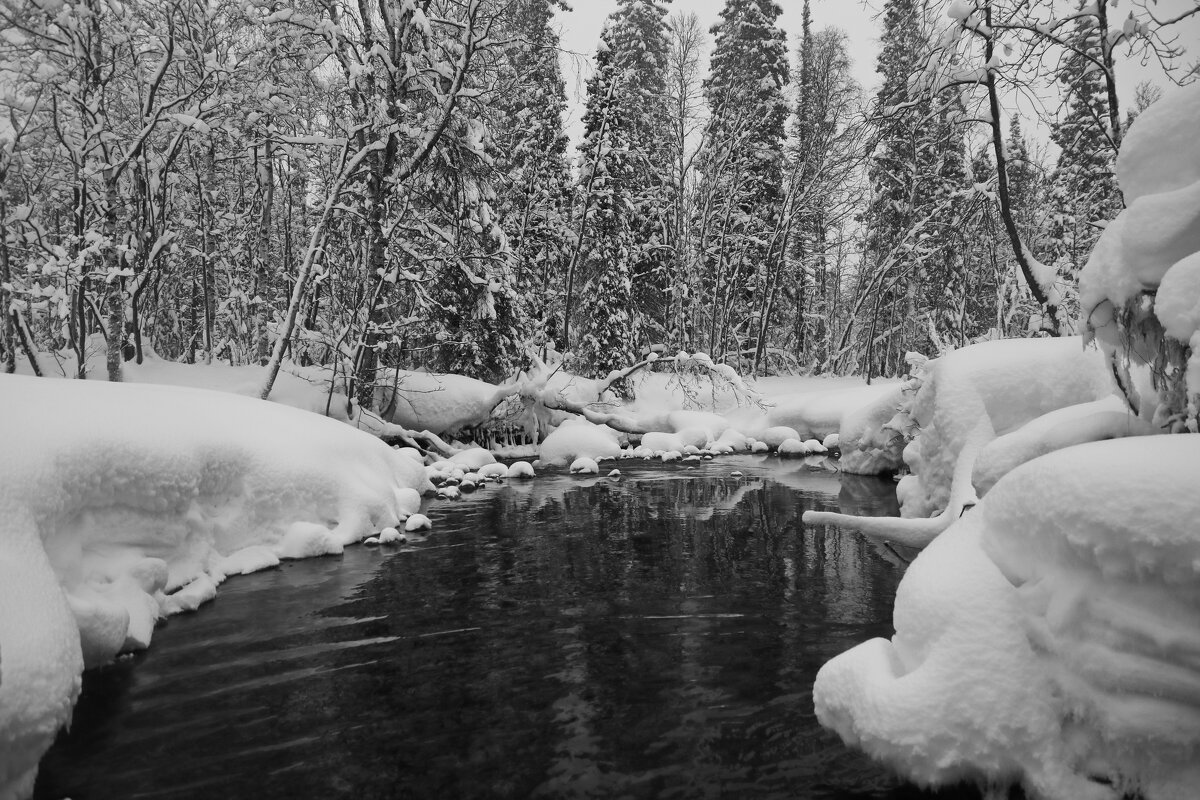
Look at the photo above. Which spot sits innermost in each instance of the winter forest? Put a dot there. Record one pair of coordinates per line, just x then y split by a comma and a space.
902, 377
389, 185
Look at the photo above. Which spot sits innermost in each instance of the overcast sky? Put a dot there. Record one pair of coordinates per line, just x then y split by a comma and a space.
580, 33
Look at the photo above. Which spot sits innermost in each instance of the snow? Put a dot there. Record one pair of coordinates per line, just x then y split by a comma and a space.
1007, 383
121, 503
578, 437
1048, 636
473, 458
520, 469
791, 447
1158, 170
1086, 422
870, 444
585, 466
1167, 127
417, 522
1177, 302
440, 403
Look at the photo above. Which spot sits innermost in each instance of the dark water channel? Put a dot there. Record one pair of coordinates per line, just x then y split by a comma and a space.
655, 636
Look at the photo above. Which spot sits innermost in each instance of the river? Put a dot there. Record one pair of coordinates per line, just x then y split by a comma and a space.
655, 635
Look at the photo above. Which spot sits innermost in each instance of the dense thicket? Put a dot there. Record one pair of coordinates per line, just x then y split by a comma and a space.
386, 183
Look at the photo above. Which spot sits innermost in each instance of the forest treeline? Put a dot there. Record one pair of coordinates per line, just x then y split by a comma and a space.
363, 184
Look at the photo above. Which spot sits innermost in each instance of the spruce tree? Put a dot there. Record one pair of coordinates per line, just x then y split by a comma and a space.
639, 52
533, 182
605, 319
742, 165
917, 172
1083, 190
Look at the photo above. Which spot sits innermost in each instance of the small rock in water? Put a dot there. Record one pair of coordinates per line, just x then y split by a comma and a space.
390, 536
584, 465
418, 522
520, 469
371, 541
735, 474
692, 457
466, 486
448, 492
616, 473
494, 471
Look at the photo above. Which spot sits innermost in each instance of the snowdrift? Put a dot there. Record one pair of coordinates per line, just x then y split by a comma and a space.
1006, 383
120, 504
1050, 637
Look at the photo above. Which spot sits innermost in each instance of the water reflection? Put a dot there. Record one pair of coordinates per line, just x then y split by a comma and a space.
651, 636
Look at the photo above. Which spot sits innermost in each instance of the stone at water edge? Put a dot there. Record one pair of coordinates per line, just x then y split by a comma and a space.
494, 471
418, 522
390, 536
584, 465
791, 447
521, 469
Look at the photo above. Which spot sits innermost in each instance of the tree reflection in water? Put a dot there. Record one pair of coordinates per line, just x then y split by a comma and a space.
651, 636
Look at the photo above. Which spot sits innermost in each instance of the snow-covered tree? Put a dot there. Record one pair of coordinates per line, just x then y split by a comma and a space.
741, 166
825, 156
533, 181
608, 242
1083, 190
917, 175
639, 49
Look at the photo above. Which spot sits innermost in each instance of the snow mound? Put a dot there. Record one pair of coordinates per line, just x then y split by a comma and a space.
1007, 383
775, 436
1087, 422
578, 437
440, 403
791, 447
584, 466
1144, 272
1111, 603
817, 414
417, 522
1050, 637
473, 458
520, 469
123, 503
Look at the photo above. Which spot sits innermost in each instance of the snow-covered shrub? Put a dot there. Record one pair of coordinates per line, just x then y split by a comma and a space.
873, 435
1140, 290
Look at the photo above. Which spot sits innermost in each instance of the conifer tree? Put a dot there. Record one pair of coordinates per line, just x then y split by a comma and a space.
742, 165
533, 179
917, 172
640, 52
606, 182
1083, 190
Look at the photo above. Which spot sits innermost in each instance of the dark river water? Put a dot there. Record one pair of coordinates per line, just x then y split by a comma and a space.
653, 636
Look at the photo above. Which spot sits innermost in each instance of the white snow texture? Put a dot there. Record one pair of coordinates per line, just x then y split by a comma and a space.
121, 504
